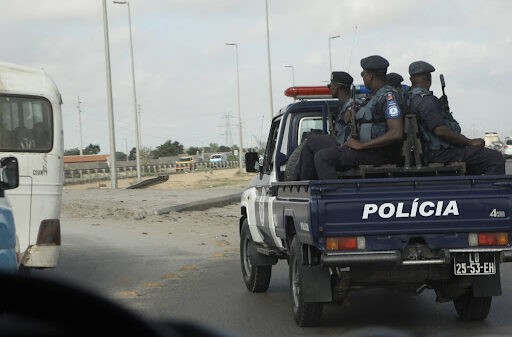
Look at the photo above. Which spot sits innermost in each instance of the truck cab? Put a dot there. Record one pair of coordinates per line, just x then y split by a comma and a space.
407, 227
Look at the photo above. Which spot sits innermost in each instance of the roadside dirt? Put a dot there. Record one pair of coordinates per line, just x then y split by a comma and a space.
211, 179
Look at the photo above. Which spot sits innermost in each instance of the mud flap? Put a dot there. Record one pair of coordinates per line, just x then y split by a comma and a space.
258, 259
316, 284
484, 286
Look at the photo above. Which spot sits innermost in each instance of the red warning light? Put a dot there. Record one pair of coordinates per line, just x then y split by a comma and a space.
308, 92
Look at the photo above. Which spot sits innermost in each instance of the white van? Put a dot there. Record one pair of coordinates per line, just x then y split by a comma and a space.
31, 131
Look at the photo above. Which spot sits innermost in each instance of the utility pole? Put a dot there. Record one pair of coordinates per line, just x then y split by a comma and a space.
293, 73
352, 48
269, 67
227, 129
113, 165
126, 146
137, 136
240, 160
80, 125
140, 126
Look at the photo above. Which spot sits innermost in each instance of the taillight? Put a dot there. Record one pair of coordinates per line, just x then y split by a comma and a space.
346, 243
49, 232
488, 239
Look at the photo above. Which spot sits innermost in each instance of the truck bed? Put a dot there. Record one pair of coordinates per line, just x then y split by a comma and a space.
399, 207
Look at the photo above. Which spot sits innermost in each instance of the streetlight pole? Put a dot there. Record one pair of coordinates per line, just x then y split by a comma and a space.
137, 131
239, 116
269, 67
140, 125
80, 125
113, 165
293, 73
330, 57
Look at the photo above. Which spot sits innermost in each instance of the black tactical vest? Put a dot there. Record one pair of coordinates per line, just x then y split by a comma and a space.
430, 140
372, 123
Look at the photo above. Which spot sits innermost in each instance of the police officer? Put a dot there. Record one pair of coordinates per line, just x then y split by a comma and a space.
441, 133
340, 89
379, 126
395, 80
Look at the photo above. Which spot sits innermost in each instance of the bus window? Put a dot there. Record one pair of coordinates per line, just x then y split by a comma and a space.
26, 124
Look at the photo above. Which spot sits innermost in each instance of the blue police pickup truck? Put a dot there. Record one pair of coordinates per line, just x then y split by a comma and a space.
407, 227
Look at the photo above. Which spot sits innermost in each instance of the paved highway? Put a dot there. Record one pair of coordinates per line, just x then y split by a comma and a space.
193, 273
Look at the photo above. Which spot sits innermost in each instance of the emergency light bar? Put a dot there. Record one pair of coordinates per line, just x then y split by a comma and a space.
322, 92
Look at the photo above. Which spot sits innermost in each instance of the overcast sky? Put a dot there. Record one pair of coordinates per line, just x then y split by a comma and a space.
186, 75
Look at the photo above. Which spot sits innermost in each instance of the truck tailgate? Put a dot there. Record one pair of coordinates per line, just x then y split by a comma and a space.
413, 205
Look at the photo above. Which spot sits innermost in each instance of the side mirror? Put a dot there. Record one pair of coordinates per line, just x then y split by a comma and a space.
251, 162
9, 174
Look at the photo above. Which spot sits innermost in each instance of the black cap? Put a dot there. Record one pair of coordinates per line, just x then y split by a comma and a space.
341, 77
375, 64
420, 67
394, 79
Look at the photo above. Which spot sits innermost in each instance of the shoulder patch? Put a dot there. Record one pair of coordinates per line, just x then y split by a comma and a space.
392, 108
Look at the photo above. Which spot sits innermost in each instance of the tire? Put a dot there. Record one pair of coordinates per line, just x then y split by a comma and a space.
306, 314
292, 162
256, 278
471, 308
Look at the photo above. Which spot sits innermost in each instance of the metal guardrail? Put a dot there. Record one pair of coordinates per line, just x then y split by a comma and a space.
82, 176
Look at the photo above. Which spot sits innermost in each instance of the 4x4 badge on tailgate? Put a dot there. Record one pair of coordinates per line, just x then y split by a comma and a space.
497, 214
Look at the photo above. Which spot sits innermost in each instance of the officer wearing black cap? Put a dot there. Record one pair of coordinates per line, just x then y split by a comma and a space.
340, 89
395, 80
440, 132
379, 124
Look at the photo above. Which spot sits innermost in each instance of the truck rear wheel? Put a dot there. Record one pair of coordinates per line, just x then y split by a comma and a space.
305, 313
256, 278
471, 308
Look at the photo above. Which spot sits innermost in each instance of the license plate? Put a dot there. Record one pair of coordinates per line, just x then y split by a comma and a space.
474, 264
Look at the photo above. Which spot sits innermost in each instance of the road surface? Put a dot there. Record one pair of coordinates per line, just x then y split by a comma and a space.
186, 266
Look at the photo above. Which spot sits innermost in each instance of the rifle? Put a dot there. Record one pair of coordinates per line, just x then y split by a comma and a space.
444, 98
353, 125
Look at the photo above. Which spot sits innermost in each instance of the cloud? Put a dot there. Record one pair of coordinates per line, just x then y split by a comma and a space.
186, 75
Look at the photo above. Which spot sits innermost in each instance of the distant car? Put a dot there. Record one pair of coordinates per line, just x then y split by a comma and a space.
498, 146
218, 157
490, 138
184, 163
507, 148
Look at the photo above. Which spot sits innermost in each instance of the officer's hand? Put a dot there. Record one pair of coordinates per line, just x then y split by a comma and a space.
348, 116
478, 142
354, 144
